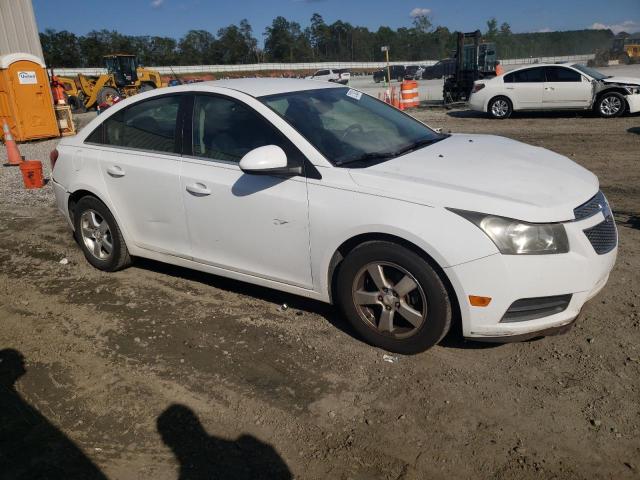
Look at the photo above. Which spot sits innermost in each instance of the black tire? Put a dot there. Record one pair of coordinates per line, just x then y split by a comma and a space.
119, 254
105, 94
146, 87
407, 339
610, 105
500, 108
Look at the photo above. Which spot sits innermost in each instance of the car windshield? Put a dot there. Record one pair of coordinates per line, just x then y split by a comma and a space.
589, 71
349, 127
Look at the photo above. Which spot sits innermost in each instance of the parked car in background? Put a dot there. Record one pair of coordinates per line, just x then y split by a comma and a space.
413, 72
328, 193
440, 69
556, 87
337, 75
397, 73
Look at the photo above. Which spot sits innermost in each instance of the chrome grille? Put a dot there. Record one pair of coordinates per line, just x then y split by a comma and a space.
590, 207
603, 236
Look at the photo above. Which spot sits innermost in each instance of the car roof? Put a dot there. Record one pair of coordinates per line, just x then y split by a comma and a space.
258, 87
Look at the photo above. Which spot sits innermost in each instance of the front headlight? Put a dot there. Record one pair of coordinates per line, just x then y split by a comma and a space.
513, 237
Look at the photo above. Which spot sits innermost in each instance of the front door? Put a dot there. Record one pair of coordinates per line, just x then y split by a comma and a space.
566, 88
253, 224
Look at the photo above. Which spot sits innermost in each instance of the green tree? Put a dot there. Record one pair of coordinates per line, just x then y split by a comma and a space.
492, 28
198, 47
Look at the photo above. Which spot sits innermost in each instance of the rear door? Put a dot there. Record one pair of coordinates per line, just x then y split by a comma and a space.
524, 88
566, 88
141, 170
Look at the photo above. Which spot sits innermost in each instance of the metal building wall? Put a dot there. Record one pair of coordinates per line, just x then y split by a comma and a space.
18, 29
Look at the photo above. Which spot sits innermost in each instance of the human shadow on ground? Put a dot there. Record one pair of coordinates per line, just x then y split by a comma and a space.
31, 447
204, 456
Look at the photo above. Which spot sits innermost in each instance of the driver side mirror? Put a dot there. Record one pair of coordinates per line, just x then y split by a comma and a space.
268, 160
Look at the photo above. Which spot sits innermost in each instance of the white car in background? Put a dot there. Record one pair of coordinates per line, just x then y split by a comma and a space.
556, 87
337, 75
325, 192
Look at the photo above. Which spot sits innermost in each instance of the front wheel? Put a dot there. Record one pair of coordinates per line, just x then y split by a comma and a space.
99, 235
393, 298
500, 108
610, 105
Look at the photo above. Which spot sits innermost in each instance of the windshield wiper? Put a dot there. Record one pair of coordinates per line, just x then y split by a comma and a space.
368, 156
387, 155
418, 145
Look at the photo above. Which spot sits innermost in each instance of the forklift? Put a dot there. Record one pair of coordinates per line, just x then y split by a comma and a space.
475, 60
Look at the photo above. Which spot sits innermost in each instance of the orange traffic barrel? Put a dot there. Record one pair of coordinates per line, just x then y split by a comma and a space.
409, 93
32, 174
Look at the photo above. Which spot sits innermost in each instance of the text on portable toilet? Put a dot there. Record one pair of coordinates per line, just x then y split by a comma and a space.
27, 78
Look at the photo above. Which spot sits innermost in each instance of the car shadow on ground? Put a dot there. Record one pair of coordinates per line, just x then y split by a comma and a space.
31, 447
202, 456
627, 219
635, 130
516, 115
331, 314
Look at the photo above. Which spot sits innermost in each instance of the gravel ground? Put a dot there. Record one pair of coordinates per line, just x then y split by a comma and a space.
157, 371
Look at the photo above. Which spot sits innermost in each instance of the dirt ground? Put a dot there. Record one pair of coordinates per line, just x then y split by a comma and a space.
158, 371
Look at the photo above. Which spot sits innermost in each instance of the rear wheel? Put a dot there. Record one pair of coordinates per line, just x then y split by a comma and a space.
99, 235
500, 108
393, 298
610, 105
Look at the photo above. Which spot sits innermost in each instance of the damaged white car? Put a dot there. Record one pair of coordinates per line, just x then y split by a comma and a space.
556, 87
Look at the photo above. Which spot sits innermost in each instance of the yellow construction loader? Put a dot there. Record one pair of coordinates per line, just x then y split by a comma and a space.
124, 78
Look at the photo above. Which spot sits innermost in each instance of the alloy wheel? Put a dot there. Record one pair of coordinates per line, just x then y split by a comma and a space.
500, 108
610, 106
96, 234
389, 299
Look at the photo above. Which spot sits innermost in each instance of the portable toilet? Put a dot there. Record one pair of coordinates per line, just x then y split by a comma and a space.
25, 98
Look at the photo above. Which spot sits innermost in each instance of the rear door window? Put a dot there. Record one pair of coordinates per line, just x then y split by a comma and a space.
529, 75
148, 125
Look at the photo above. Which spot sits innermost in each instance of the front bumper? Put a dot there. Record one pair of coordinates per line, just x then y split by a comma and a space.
508, 278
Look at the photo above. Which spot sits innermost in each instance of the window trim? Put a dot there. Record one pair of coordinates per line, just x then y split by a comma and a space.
178, 134
308, 169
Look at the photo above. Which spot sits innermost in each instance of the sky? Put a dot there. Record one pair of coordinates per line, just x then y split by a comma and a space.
175, 17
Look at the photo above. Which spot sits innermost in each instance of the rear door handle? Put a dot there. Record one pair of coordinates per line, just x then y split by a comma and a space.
115, 171
549, 88
198, 189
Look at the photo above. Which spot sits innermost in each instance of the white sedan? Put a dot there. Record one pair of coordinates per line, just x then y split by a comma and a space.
556, 87
322, 191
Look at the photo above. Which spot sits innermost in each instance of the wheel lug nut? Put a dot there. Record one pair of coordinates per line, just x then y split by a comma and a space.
388, 307
398, 305
379, 298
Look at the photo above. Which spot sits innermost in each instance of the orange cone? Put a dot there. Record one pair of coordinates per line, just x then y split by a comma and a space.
13, 154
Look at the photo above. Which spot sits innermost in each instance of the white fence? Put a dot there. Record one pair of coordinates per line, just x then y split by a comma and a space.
256, 67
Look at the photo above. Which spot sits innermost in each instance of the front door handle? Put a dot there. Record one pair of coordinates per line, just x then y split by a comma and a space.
115, 171
198, 189
549, 88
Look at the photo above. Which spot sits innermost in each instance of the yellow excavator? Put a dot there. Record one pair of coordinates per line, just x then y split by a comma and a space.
124, 78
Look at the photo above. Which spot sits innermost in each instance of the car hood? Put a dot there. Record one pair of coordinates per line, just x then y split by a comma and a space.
484, 173
622, 80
